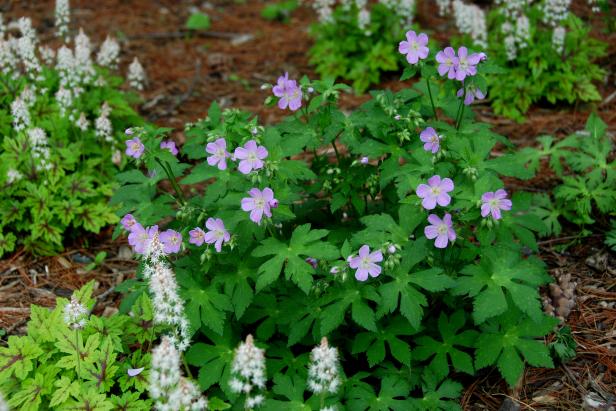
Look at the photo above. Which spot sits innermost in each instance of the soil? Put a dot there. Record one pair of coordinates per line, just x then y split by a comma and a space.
228, 64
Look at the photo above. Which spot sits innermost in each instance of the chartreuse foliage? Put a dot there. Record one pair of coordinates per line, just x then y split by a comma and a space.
348, 49
585, 166
402, 334
54, 367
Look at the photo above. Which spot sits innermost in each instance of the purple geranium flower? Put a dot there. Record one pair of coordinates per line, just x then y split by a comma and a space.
313, 262
435, 192
169, 145
494, 202
431, 139
172, 241
467, 65
128, 222
472, 93
259, 203
139, 237
364, 160
197, 236
251, 156
447, 62
442, 230
415, 47
217, 234
289, 93
365, 263
219, 154
134, 147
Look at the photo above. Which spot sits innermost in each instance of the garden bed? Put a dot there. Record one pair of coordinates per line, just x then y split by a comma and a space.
228, 63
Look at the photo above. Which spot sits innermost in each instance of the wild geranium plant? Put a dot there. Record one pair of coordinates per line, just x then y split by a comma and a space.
545, 50
71, 359
585, 166
356, 41
60, 113
390, 224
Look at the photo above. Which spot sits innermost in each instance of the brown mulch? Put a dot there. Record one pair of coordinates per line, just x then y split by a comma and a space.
228, 64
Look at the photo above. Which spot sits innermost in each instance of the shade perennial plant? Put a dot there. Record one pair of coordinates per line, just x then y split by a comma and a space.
545, 50
72, 360
384, 237
61, 116
585, 193
355, 40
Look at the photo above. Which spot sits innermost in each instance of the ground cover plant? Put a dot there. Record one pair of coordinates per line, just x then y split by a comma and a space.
389, 224
72, 360
545, 50
356, 40
61, 112
585, 196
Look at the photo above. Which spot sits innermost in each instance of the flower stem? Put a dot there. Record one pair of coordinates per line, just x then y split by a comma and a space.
336, 151
459, 123
78, 353
167, 169
431, 100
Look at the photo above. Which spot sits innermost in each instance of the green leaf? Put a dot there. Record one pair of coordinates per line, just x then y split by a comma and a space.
304, 243
198, 21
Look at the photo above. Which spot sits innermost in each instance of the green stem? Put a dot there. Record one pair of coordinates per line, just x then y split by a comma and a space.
78, 353
174, 183
459, 123
186, 367
431, 100
336, 151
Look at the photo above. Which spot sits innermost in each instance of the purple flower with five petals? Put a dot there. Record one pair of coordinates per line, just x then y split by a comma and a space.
169, 145
494, 202
435, 192
467, 65
288, 92
365, 263
472, 93
139, 237
172, 241
128, 222
447, 62
134, 147
219, 154
251, 156
431, 139
259, 203
197, 236
442, 230
217, 234
415, 47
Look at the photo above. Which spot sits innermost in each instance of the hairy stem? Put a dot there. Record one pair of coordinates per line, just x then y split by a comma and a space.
431, 99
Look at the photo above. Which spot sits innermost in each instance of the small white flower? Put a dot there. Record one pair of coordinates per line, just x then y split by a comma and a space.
471, 19
136, 75
109, 53
75, 314
12, 175
248, 372
63, 17
323, 374
555, 11
558, 39
102, 125
168, 306
3, 405
167, 387
20, 113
